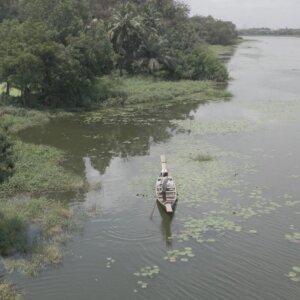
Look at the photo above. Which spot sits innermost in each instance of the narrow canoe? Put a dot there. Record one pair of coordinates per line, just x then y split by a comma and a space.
166, 192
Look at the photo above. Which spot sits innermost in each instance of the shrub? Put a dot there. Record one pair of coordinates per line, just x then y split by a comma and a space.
12, 233
200, 64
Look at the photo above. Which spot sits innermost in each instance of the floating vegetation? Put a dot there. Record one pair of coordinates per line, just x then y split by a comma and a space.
149, 271
202, 157
205, 127
182, 255
279, 110
142, 284
295, 274
146, 272
294, 237
109, 262
292, 203
197, 228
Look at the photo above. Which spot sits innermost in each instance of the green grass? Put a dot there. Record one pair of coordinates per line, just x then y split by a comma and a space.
16, 118
220, 49
38, 169
54, 219
147, 90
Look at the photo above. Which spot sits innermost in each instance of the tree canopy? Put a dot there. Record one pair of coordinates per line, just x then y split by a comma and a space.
55, 51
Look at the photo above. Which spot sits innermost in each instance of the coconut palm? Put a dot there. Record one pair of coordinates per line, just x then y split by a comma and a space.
154, 54
126, 30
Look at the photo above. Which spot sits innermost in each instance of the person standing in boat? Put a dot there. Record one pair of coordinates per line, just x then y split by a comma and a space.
164, 186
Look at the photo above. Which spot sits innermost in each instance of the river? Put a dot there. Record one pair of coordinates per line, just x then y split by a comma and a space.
234, 234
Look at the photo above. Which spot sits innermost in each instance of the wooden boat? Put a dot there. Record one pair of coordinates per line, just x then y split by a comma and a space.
166, 188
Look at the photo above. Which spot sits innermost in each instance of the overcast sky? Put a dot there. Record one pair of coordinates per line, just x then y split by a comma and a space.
250, 13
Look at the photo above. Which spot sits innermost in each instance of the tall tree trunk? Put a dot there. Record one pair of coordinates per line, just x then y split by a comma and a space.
7, 88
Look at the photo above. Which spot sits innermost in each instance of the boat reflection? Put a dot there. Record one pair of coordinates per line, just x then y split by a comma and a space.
166, 223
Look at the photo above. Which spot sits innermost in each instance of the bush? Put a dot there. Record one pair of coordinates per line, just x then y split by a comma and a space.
200, 64
12, 233
6, 157
109, 87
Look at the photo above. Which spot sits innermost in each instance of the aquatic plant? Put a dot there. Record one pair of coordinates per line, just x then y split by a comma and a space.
294, 237
198, 228
202, 157
294, 275
109, 262
38, 169
148, 271
181, 255
9, 292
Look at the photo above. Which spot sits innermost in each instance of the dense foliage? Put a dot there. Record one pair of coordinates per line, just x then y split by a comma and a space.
215, 32
200, 64
54, 52
269, 31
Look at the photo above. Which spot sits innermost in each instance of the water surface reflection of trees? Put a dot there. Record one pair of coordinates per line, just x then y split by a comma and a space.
102, 141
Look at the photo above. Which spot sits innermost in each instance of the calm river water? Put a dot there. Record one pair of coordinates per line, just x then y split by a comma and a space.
234, 234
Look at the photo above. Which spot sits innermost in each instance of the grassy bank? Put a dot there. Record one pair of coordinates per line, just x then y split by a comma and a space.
31, 226
220, 50
38, 169
149, 91
36, 228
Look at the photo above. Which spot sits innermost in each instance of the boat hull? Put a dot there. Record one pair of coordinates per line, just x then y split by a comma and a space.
168, 208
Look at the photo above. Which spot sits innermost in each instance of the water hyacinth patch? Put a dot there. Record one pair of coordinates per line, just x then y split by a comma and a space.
146, 272
292, 202
109, 262
294, 237
197, 228
149, 271
182, 255
142, 284
294, 275
206, 127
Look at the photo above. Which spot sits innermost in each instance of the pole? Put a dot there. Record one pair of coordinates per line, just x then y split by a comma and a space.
153, 210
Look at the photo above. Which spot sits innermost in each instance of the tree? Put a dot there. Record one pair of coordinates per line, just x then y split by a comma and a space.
64, 17
215, 31
8, 9
154, 55
126, 30
49, 69
200, 64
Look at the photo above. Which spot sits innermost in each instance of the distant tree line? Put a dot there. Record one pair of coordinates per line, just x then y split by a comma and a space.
55, 51
269, 31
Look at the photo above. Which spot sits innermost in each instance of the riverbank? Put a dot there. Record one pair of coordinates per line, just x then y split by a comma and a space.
32, 228
151, 92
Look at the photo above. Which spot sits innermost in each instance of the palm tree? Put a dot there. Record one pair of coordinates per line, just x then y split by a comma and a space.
126, 30
154, 54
